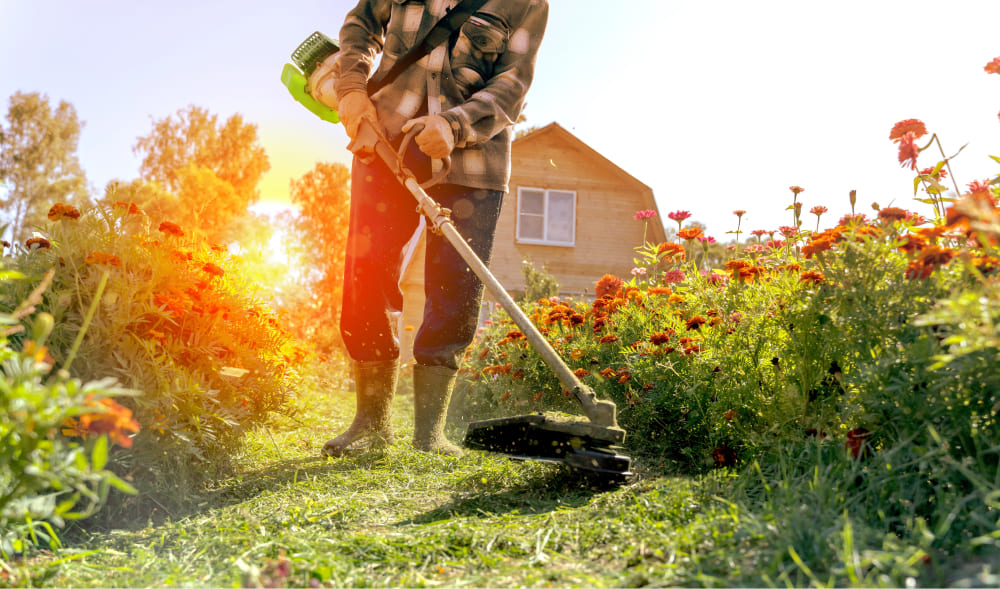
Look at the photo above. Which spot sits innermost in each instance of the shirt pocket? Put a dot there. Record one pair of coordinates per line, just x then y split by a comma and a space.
481, 41
405, 19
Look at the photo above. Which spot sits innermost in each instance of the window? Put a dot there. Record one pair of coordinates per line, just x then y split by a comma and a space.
546, 217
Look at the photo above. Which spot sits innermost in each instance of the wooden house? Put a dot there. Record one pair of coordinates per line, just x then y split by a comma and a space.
570, 211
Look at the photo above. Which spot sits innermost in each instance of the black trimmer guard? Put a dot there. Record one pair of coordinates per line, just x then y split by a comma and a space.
550, 438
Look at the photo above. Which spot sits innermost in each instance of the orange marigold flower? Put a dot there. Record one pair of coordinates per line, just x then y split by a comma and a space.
913, 242
931, 234
671, 250
624, 378
993, 67
660, 338
609, 284
690, 233
103, 258
695, 322
890, 214
607, 373
41, 242
812, 276
609, 338
900, 129
213, 269
730, 415
581, 372
62, 211
724, 456
675, 299
918, 270
171, 229
660, 290
112, 419
737, 264
515, 334
933, 255
130, 208
816, 246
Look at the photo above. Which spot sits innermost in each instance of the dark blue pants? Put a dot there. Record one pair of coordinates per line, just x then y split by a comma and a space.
383, 218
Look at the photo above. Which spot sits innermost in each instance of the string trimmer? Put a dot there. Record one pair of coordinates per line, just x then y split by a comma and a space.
585, 445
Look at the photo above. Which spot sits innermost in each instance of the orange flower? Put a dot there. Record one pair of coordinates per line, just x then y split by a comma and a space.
110, 418
213, 269
796, 190
690, 233
900, 129
103, 258
812, 277
818, 210
737, 264
609, 339
581, 372
933, 255
671, 250
695, 322
730, 415
912, 243
61, 211
660, 290
660, 338
171, 229
816, 246
890, 214
857, 443
609, 284
993, 67
607, 373
724, 456
130, 208
41, 242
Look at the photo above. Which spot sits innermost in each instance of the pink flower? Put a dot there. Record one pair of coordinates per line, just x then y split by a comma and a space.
900, 129
979, 186
646, 214
848, 219
908, 150
679, 215
796, 189
755, 249
818, 210
638, 271
739, 212
758, 233
775, 244
787, 231
706, 240
674, 276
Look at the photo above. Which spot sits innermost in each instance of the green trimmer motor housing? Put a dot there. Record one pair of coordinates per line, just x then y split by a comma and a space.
306, 57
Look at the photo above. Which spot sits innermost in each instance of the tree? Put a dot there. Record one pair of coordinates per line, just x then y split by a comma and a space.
213, 169
323, 197
38, 162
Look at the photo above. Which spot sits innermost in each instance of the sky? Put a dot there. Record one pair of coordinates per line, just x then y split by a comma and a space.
717, 106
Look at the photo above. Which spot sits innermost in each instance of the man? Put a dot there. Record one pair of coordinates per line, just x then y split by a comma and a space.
466, 94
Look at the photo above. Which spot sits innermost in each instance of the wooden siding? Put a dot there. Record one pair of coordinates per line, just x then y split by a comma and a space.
606, 201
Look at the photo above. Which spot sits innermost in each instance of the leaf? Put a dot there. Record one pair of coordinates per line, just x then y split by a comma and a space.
995, 158
99, 457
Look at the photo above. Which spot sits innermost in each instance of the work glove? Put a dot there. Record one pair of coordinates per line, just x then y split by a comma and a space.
437, 140
354, 106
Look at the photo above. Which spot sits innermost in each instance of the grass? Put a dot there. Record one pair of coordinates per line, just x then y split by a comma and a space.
402, 518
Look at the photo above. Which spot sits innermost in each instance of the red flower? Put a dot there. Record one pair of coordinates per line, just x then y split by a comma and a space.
908, 150
695, 322
900, 129
993, 67
890, 214
41, 242
724, 456
61, 211
646, 214
788, 232
812, 276
171, 229
857, 443
980, 186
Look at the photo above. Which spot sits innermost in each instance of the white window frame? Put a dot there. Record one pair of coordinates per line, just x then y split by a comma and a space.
545, 215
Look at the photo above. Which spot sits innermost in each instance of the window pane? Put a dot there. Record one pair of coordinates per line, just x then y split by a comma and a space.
560, 222
531, 227
532, 202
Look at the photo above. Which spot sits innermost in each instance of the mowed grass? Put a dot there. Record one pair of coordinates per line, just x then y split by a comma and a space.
398, 517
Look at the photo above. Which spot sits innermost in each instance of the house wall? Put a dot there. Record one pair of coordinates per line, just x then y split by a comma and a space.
606, 232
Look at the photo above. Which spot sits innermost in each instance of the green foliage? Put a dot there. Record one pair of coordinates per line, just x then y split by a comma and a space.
538, 283
38, 163
46, 478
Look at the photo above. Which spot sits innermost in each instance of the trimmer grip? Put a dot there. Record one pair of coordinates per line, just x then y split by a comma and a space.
296, 83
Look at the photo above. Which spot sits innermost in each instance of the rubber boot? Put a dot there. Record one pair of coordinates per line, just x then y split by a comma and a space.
432, 386
375, 385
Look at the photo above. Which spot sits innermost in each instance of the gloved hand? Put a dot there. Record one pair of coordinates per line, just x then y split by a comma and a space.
321, 82
437, 140
353, 107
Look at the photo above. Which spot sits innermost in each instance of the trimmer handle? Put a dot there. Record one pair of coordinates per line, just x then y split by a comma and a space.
370, 140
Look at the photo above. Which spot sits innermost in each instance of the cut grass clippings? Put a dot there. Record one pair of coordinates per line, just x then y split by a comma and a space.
398, 517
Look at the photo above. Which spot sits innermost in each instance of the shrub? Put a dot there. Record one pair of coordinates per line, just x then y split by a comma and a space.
177, 319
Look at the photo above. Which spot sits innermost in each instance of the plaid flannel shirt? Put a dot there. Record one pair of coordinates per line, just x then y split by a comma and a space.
477, 81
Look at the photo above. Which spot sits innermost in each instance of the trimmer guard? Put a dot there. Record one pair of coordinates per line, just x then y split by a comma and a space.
551, 438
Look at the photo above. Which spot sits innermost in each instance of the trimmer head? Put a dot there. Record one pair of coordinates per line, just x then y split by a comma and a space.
554, 438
